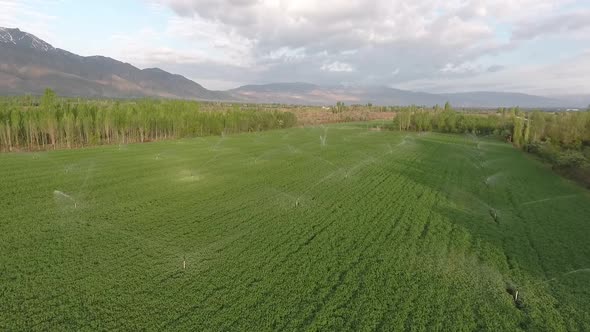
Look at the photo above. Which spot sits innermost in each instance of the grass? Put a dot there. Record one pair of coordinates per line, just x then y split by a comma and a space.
370, 230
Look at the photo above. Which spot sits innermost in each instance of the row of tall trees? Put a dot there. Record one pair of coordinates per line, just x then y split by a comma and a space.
51, 122
561, 138
413, 118
569, 130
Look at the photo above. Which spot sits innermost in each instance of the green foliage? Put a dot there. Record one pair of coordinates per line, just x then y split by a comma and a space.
537, 123
393, 231
339, 108
48, 100
448, 106
564, 135
559, 157
571, 159
419, 119
517, 133
526, 136
60, 123
403, 119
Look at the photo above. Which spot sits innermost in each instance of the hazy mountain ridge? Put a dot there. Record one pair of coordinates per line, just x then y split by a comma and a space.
28, 65
502, 99
305, 93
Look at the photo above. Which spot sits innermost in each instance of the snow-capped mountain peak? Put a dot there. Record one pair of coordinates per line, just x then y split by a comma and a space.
23, 39
6, 36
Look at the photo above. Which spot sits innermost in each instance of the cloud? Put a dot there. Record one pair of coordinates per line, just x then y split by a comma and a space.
495, 68
134, 49
466, 67
418, 43
337, 67
356, 37
287, 54
28, 15
561, 78
421, 43
569, 22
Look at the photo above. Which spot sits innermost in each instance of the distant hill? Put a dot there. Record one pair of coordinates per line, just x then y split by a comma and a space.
28, 65
503, 99
578, 101
304, 93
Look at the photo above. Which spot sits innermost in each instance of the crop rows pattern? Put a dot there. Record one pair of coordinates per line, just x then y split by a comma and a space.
322, 228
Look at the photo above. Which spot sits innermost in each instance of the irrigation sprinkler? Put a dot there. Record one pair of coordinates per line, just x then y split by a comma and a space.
513, 291
494, 215
64, 195
549, 199
492, 179
519, 301
324, 138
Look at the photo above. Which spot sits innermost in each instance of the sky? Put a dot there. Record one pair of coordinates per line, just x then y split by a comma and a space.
532, 46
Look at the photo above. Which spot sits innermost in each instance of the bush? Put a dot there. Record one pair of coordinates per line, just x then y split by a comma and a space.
571, 159
545, 150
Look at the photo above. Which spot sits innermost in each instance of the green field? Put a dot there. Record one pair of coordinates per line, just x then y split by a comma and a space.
324, 228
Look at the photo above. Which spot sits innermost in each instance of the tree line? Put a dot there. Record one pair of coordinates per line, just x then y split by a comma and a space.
50, 122
561, 138
447, 120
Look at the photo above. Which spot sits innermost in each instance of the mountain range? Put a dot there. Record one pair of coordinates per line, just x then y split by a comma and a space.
28, 65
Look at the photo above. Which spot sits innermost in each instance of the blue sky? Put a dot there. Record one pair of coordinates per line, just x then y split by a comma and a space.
540, 47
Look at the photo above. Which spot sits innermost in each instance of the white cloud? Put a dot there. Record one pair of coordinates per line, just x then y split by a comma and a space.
145, 48
287, 54
337, 67
360, 36
349, 52
562, 23
466, 67
431, 45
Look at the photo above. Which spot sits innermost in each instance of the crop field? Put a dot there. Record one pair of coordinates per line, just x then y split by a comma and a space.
321, 228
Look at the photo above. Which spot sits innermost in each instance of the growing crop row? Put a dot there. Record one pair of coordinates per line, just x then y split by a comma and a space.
284, 230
